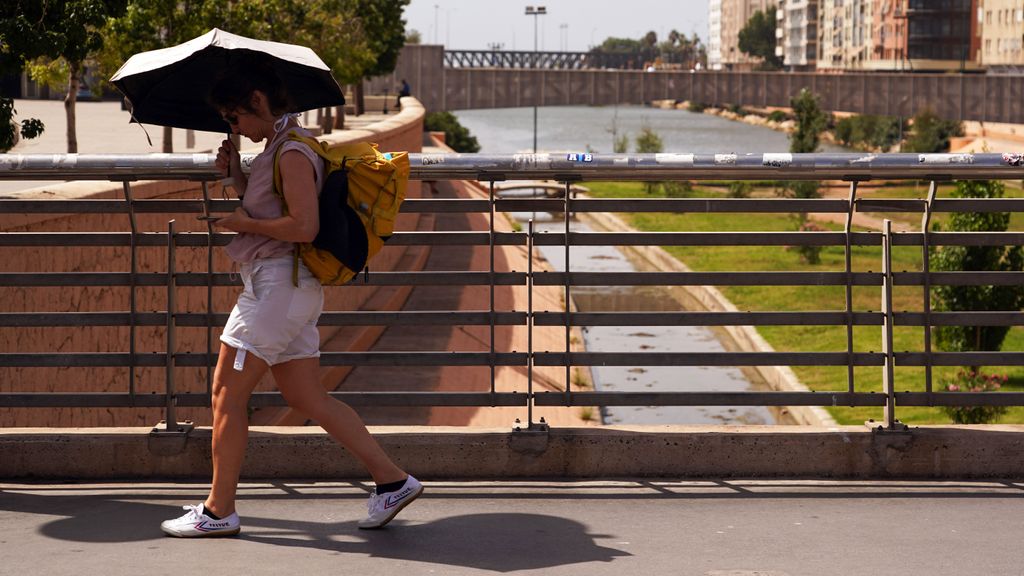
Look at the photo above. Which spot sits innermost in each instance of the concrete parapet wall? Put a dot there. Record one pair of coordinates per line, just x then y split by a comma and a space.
402, 131
849, 452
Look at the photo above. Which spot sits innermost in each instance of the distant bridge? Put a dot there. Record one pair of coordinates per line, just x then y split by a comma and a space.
462, 80
545, 60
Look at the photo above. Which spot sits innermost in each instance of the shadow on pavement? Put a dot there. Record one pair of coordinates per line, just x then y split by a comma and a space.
501, 542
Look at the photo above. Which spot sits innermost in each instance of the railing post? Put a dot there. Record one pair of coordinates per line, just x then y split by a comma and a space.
927, 300
529, 325
888, 384
849, 288
171, 425
568, 300
209, 289
490, 241
133, 265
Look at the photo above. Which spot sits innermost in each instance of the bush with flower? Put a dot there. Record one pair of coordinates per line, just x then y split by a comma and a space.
975, 381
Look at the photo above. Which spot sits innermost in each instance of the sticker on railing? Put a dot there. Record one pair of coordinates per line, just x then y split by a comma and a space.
777, 160
65, 160
725, 159
945, 158
431, 159
579, 157
528, 161
1013, 159
674, 159
864, 159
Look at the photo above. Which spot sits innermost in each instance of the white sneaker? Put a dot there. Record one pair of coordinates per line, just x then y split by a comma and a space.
383, 507
195, 523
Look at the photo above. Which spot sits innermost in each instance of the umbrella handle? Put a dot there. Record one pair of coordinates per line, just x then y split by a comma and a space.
229, 180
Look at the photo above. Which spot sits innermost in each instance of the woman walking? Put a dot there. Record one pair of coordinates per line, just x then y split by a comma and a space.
273, 324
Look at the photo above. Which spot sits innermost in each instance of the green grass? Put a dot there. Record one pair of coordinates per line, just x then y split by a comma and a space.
810, 298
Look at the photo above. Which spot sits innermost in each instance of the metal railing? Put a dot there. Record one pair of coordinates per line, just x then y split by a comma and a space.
565, 168
547, 60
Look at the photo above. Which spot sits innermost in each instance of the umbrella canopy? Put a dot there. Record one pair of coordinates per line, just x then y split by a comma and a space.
168, 87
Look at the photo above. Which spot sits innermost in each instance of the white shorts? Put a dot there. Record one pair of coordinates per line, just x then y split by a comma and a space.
274, 319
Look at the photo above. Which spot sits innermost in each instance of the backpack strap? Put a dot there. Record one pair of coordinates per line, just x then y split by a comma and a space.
278, 187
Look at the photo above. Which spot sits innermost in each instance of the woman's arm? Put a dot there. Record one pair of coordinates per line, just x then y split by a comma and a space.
303, 219
229, 161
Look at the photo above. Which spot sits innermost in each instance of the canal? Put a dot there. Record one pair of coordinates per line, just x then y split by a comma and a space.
587, 128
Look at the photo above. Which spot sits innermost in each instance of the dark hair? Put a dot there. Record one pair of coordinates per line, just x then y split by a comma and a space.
251, 71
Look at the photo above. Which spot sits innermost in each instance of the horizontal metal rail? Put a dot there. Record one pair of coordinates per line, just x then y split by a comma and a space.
565, 168
562, 167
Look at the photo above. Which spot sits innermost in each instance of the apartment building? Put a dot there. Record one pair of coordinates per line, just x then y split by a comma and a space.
715, 34
925, 35
798, 34
845, 37
733, 16
1001, 25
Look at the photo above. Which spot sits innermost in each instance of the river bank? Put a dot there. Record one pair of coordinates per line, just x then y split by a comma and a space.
978, 136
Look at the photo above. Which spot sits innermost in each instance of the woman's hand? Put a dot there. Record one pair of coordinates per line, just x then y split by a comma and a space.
237, 221
228, 157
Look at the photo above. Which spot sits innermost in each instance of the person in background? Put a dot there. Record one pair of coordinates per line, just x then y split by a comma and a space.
403, 91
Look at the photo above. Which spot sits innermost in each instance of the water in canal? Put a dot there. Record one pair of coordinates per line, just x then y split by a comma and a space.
581, 128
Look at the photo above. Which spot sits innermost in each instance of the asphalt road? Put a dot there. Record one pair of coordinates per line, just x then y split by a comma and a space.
707, 528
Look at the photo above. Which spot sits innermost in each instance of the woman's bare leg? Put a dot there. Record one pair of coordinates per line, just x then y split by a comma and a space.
299, 383
231, 392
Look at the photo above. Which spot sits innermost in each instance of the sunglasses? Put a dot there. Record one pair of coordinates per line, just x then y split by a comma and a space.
231, 119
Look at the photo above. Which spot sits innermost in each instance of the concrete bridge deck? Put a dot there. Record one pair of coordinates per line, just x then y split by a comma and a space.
708, 528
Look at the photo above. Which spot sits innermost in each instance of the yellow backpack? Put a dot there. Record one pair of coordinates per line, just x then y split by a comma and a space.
362, 192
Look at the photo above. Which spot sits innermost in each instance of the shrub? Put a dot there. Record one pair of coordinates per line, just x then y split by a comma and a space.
696, 106
809, 254
777, 116
977, 258
810, 122
971, 381
620, 144
677, 188
456, 136
648, 142
868, 132
931, 133
740, 189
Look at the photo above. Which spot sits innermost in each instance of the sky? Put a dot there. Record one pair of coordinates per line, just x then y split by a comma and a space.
573, 25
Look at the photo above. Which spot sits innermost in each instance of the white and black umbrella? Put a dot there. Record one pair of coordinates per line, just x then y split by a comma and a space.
169, 86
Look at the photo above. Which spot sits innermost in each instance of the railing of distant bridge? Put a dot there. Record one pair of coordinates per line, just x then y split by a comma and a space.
567, 169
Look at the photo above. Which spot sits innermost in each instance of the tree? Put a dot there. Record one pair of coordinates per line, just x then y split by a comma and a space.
757, 38
385, 32
647, 142
931, 133
976, 258
456, 136
57, 30
810, 122
153, 24
413, 36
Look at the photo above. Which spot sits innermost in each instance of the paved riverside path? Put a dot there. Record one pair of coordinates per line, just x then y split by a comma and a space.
710, 528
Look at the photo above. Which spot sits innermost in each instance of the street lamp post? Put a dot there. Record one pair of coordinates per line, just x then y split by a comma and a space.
535, 12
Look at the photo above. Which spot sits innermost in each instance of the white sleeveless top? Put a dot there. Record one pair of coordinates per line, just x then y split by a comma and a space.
261, 202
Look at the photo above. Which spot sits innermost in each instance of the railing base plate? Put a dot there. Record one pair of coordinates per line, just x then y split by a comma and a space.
897, 427
168, 441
